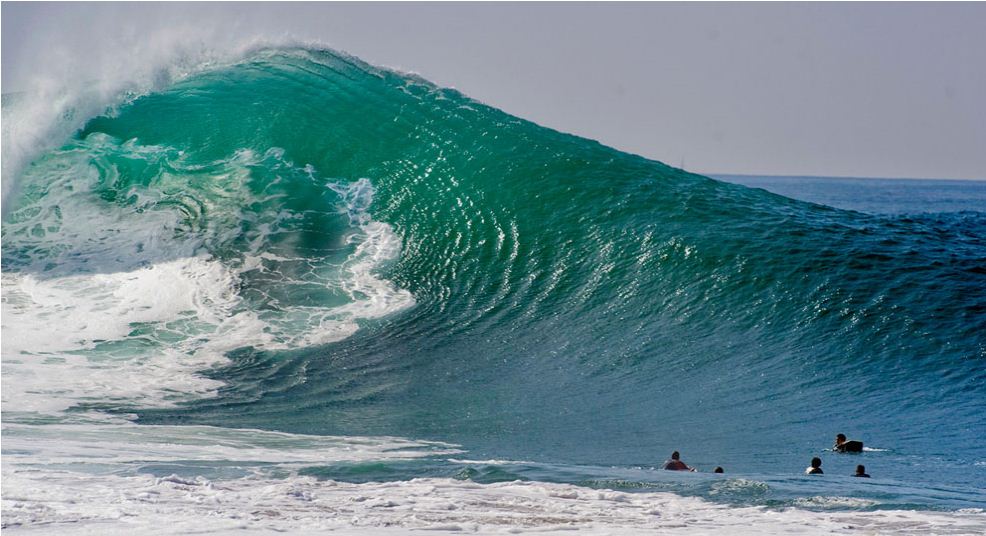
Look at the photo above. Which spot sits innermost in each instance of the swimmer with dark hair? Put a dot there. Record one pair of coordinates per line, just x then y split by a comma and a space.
861, 472
718, 470
816, 467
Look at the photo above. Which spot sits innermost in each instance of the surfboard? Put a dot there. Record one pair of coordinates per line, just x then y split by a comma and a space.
850, 446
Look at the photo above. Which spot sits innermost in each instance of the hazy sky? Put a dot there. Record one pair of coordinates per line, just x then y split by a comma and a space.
888, 90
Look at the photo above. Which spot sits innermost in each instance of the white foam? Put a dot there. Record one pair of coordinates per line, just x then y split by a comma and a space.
840, 503
379, 245
120, 303
487, 462
52, 326
97, 480
54, 502
127, 445
94, 307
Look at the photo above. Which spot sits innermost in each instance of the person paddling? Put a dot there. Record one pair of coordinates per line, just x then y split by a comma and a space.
842, 445
675, 463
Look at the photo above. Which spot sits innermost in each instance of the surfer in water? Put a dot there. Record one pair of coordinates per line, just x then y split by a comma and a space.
675, 463
815, 468
852, 445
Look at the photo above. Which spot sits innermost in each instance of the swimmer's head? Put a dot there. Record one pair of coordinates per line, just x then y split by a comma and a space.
841, 438
816, 462
675, 455
718, 470
860, 470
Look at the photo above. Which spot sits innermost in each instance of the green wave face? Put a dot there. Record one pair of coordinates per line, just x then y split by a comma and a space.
530, 293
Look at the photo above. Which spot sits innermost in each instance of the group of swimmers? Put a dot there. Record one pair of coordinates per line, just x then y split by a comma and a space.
841, 445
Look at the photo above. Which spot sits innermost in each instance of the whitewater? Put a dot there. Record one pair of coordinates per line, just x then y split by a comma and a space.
284, 290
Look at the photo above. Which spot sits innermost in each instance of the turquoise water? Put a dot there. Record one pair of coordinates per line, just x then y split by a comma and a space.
570, 312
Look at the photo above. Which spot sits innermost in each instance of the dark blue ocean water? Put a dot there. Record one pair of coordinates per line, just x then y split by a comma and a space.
874, 195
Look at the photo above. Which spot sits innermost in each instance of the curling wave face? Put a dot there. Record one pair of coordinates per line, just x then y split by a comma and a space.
152, 267
301, 242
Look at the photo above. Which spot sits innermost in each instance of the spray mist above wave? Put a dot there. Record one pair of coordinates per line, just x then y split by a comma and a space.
69, 87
